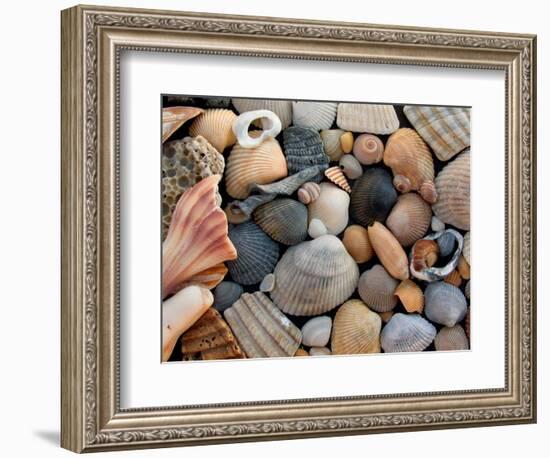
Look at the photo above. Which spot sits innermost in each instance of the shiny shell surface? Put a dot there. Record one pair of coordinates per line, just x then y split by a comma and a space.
389, 251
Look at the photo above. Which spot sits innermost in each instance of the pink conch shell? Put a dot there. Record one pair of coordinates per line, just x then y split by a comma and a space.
175, 117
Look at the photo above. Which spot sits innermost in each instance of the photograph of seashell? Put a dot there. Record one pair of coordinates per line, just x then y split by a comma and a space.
299, 228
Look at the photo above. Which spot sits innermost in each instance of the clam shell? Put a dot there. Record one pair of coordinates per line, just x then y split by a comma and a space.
368, 149
336, 175
445, 129
357, 243
351, 167
454, 278
449, 339
407, 333
225, 294
210, 338
366, 117
315, 115
249, 166
466, 248
453, 189
303, 149
332, 144
270, 122
356, 329
175, 117
315, 276
316, 332
389, 251
409, 219
411, 162
216, 125
284, 220
309, 192
372, 196
411, 296
197, 238
377, 289
257, 254
445, 303
316, 228
319, 351
260, 327
331, 207
282, 108
346, 142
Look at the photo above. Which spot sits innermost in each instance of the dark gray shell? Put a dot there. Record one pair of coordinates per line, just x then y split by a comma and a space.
445, 304
372, 197
225, 294
446, 242
284, 220
406, 333
257, 253
303, 148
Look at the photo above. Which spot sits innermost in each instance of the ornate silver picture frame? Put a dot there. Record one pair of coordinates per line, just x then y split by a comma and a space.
93, 39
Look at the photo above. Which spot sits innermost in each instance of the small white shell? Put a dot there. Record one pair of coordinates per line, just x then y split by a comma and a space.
316, 332
270, 120
331, 208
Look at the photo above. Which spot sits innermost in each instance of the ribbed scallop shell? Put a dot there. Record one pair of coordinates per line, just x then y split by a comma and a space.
368, 149
411, 162
332, 143
351, 166
260, 327
257, 254
366, 117
454, 278
453, 189
445, 129
409, 218
449, 339
356, 329
407, 333
357, 243
336, 175
303, 149
216, 125
174, 117
249, 166
284, 220
209, 278
377, 289
315, 115
445, 303
282, 108
463, 268
389, 251
331, 207
309, 192
225, 294
411, 296
314, 277
372, 196
466, 248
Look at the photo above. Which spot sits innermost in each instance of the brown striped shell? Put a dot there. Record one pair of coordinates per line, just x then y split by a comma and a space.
389, 251
336, 175
411, 296
368, 149
454, 278
216, 125
284, 220
377, 289
451, 339
356, 240
409, 219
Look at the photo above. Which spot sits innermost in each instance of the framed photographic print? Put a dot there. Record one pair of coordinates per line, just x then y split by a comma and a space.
278, 228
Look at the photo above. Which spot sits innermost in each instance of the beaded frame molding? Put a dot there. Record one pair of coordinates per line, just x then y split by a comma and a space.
93, 39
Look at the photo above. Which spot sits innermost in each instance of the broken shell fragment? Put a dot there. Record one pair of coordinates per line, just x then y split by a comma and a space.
268, 283
356, 329
270, 122
282, 108
411, 296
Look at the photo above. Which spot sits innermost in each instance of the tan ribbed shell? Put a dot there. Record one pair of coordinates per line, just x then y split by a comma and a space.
367, 117
409, 219
216, 125
411, 296
448, 339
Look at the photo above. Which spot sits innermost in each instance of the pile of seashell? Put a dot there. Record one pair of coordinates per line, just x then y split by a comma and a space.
296, 228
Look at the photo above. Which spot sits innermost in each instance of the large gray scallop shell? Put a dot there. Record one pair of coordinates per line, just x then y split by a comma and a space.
445, 304
406, 333
303, 148
225, 294
284, 220
257, 253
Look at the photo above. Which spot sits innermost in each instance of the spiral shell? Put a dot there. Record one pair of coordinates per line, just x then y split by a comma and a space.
309, 192
411, 296
174, 117
372, 196
389, 251
356, 240
351, 167
315, 115
282, 108
409, 218
284, 220
407, 333
366, 117
336, 175
331, 207
216, 125
332, 143
376, 288
368, 149
445, 303
451, 339
303, 149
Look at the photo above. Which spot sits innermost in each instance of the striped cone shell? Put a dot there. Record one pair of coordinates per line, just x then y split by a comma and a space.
367, 117
453, 189
411, 296
336, 175
315, 115
466, 248
314, 276
282, 108
284, 220
356, 240
376, 288
451, 339
407, 333
356, 329
445, 303
389, 251
332, 143
260, 327
216, 125
257, 253
303, 149
445, 129
372, 196
409, 219
175, 117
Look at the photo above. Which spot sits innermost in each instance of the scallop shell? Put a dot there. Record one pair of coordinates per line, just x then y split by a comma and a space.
175, 117
316, 332
316, 228
366, 117
209, 278
445, 129
372, 196
377, 289
466, 248
409, 219
314, 277
454, 278
411, 296
257, 254
411, 162
197, 238
260, 327
216, 125
346, 142
284, 220
445, 303
368, 149
248, 166
356, 240
309, 192
331, 207
336, 175
451, 339
351, 167
407, 333
225, 294
315, 115
453, 189
303, 149
356, 329
282, 108
332, 143
270, 122
389, 251
210, 338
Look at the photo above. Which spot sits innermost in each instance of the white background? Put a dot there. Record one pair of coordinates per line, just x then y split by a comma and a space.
29, 250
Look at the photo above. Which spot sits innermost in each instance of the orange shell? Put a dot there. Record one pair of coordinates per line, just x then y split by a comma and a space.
301, 352
424, 254
411, 296
175, 117
463, 268
356, 241
389, 251
336, 175
454, 278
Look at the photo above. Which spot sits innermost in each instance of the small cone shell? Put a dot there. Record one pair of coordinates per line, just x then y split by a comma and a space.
216, 125
377, 289
409, 219
389, 251
411, 296
336, 175
175, 117
451, 339
356, 240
